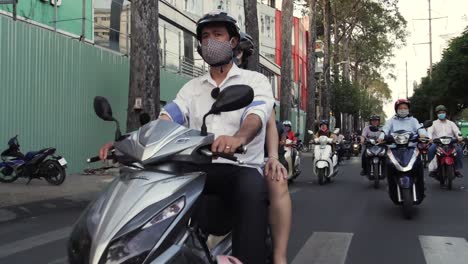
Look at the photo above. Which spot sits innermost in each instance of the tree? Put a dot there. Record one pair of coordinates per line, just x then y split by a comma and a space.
144, 62
311, 82
448, 83
326, 61
286, 76
251, 28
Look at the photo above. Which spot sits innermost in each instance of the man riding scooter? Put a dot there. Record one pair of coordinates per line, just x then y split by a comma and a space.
374, 121
442, 127
218, 36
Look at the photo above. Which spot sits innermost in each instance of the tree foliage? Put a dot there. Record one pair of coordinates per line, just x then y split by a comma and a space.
449, 81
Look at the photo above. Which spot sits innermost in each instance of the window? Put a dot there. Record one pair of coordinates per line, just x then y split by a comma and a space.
262, 24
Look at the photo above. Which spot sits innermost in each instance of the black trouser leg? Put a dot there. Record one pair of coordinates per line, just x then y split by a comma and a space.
364, 161
246, 191
251, 217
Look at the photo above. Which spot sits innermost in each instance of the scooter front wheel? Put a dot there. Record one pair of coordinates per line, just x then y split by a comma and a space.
407, 205
376, 176
449, 175
321, 176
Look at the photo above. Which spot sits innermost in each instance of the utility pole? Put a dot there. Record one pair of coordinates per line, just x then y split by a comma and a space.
406, 79
430, 41
430, 37
430, 49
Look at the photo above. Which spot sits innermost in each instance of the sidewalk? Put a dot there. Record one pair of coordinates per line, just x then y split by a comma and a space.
39, 197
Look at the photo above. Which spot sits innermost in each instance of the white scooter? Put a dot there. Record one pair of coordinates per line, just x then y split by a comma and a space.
293, 172
325, 160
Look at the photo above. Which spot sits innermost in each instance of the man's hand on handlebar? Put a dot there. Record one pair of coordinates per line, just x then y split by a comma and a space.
105, 150
227, 144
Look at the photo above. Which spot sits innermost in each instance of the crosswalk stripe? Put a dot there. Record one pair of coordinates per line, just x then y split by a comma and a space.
59, 261
444, 250
324, 248
34, 241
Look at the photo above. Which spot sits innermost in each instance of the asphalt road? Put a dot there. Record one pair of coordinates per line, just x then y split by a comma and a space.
346, 221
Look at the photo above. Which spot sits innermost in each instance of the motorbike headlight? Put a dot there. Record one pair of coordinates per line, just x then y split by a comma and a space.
445, 141
382, 152
369, 152
134, 246
401, 139
79, 245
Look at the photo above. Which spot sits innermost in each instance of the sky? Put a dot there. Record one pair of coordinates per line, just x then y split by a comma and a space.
417, 56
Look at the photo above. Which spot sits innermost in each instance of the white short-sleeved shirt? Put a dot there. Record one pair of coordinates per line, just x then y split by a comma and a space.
194, 100
445, 128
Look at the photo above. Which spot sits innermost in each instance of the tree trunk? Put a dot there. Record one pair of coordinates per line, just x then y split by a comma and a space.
144, 62
326, 61
251, 28
346, 58
286, 78
336, 47
311, 82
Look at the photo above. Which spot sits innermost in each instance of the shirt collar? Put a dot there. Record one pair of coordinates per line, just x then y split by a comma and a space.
234, 71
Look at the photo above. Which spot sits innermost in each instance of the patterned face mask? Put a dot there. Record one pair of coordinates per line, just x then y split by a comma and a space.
217, 53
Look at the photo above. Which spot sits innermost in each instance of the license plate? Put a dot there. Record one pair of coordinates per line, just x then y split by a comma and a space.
62, 162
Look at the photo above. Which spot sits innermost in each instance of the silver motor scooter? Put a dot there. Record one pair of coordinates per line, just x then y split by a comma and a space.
155, 211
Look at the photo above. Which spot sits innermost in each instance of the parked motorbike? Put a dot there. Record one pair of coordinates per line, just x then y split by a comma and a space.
34, 165
446, 154
325, 160
375, 154
465, 146
423, 146
155, 211
402, 167
292, 151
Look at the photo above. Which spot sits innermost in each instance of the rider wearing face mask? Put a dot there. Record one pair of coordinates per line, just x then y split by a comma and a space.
442, 127
242, 187
369, 133
404, 121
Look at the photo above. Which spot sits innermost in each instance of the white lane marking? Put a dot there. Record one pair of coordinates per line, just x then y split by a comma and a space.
63, 260
34, 241
325, 248
444, 250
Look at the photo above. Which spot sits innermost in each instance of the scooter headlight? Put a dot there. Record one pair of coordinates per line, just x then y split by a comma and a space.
401, 139
79, 245
382, 152
369, 152
445, 141
133, 246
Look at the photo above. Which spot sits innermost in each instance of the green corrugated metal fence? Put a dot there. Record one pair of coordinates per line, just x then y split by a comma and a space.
48, 82
47, 85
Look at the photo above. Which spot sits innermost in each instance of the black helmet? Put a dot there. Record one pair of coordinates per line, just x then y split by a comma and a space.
440, 108
374, 117
246, 45
324, 122
218, 16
